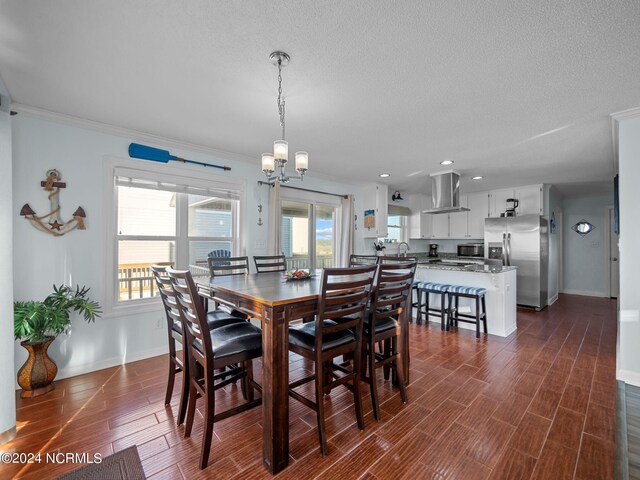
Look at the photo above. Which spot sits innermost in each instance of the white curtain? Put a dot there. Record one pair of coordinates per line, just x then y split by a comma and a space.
345, 232
274, 220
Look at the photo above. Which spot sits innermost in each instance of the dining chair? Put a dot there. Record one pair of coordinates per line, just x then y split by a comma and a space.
270, 263
219, 267
362, 260
175, 332
384, 324
415, 292
232, 346
337, 330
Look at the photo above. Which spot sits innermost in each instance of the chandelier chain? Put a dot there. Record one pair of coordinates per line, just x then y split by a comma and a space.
280, 100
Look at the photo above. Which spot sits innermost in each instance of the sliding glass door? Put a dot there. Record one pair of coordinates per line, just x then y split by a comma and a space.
307, 235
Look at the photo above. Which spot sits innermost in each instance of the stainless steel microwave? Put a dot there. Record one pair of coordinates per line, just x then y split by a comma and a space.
471, 250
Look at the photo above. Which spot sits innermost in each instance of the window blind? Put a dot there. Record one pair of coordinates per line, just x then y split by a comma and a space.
171, 183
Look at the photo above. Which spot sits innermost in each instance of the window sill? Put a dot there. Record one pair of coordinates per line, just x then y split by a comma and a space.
133, 308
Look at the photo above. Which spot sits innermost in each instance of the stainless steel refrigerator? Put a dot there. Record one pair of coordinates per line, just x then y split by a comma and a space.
522, 242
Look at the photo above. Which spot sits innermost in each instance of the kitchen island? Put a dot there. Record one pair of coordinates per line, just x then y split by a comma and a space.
499, 281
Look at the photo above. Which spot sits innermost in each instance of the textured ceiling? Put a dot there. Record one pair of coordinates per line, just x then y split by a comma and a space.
517, 91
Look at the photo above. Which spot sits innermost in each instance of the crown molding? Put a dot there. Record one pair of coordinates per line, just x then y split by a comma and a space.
616, 118
136, 135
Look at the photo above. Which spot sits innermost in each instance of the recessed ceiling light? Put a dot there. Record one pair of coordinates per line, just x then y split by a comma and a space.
477, 177
446, 162
385, 175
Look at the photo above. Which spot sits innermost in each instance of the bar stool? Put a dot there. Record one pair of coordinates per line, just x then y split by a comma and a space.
415, 304
426, 288
475, 293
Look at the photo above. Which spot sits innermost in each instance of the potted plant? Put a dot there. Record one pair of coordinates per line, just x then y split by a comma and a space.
37, 324
379, 246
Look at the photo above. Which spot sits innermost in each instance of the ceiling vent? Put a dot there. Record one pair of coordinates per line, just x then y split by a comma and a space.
445, 194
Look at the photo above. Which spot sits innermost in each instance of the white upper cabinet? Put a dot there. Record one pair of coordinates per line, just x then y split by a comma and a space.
498, 201
375, 198
419, 223
478, 204
529, 200
440, 225
459, 221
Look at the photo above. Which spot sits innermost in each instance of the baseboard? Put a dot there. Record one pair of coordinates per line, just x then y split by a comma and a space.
7, 435
111, 362
552, 300
584, 293
108, 363
629, 377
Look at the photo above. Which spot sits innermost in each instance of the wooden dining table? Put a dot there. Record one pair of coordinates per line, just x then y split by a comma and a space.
276, 301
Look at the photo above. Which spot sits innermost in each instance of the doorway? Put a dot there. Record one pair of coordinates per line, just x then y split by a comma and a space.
307, 236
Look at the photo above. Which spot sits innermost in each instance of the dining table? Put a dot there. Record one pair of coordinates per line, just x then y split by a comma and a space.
276, 301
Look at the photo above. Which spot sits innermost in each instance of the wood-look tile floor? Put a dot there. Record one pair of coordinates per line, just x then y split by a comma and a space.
538, 404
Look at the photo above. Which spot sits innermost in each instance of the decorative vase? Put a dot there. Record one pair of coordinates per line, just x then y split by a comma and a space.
37, 374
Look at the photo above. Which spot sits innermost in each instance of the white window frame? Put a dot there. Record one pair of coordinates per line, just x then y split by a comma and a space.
404, 228
185, 174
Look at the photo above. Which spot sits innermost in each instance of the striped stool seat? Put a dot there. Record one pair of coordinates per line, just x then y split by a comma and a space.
424, 290
478, 295
467, 290
434, 287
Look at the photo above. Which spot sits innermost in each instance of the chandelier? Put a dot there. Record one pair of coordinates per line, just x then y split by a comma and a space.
278, 159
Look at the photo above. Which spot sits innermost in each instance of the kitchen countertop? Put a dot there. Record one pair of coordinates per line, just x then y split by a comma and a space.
474, 268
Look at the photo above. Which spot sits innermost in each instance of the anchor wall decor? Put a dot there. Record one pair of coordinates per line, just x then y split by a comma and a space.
50, 222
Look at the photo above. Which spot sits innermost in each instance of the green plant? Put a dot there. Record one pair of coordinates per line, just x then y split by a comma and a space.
34, 321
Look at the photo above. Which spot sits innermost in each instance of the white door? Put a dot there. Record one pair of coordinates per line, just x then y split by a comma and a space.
614, 255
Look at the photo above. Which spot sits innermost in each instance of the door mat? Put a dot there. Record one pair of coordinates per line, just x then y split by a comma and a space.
124, 465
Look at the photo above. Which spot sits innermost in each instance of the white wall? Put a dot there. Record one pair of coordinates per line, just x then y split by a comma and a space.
7, 396
628, 358
41, 260
584, 256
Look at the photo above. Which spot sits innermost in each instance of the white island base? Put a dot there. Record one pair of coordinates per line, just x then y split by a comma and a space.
500, 296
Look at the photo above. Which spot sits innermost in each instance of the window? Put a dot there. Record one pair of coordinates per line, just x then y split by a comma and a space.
395, 225
168, 220
396, 229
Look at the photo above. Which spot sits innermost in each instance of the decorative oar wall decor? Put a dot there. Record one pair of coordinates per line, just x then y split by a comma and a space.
51, 223
157, 155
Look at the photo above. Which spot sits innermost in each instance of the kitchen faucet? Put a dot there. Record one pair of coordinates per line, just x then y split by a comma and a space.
405, 253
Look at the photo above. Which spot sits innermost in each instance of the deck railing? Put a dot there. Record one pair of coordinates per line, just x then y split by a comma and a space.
135, 280
298, 262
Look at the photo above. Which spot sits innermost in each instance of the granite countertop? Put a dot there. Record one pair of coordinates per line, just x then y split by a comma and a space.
474, 268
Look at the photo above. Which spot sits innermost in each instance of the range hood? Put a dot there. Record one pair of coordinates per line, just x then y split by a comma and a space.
445, 195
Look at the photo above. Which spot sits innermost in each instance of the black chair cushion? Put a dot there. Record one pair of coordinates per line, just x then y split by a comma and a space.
233, 339
215, 319
381, 325
304, 336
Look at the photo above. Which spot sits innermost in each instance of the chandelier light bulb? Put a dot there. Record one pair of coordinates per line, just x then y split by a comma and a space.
281, 150
302, 161
268, 163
